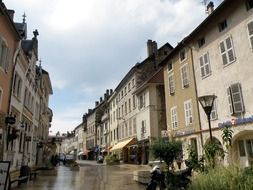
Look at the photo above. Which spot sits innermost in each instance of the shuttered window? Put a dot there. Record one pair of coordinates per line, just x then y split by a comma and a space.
4, 56
227, 51
174, 119
235, 99
185, 76
188, 112
171, 84
250, 30
204, 63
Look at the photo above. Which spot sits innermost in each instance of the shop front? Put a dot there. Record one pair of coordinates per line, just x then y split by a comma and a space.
122, 151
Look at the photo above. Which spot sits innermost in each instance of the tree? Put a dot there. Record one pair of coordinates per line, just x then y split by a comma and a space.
167, 150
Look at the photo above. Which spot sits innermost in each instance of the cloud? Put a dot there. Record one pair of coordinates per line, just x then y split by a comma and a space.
88, 46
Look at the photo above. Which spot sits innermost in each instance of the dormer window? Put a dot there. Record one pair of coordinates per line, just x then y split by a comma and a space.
201, 42
170, 67
222, 25
182, 55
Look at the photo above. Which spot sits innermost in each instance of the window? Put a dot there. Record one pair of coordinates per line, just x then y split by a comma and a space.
142, 101
250, 30
249, 4
241, 148
188, 112
129, 87
125, 90
130, 127
129, 104
126, 130
122, 109
201, 42
125, 107
214, 114
235, 99
143, 128
227, 51
174, 121
4, 55
1, 95
172, 84
222, 25
170, 66
182, 55
185, 76
113, 115
134, 126
122, 94
134, 105
133, 83
205, 67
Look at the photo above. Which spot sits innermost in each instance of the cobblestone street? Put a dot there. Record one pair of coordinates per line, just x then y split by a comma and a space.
90, 176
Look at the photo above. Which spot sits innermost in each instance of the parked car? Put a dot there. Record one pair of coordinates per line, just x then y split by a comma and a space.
100, 159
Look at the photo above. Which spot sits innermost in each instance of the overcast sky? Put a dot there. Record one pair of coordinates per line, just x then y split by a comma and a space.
88, 46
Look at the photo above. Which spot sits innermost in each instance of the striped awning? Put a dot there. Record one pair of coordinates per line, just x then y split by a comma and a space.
123, 144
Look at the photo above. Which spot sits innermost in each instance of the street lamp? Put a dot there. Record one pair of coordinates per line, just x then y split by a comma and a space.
207, 104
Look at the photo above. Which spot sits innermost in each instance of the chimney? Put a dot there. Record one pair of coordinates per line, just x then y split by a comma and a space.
111, 91
96, 103
210, 8
151, 47
107, 92
89, 110
101, 99
11, 13
105, 96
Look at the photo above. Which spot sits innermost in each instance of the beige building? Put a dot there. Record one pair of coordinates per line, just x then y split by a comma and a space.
181, 100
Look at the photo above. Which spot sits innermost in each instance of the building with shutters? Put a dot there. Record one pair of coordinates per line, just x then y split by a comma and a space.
222, 52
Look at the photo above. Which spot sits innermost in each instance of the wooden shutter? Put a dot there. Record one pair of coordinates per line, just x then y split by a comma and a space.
7, 59
250, 29
231, 110
237, 99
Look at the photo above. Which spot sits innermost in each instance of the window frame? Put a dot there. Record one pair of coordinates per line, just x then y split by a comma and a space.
172, 84
185, 55
174, 118
226, 50
188, 112
231, 99
187, 74
250, 36
205, 65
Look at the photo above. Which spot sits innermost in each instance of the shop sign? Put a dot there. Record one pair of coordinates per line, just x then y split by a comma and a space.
182, 133
164, 133
236, 121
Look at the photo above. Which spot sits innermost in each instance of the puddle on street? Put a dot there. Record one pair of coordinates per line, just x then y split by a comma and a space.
99, 177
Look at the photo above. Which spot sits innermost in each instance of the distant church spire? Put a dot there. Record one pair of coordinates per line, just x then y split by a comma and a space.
24, 16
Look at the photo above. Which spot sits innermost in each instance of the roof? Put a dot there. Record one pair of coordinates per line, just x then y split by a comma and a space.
5, 12
157, 77
138, 65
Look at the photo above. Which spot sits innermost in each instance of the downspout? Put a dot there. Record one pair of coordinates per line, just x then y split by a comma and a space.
196, 92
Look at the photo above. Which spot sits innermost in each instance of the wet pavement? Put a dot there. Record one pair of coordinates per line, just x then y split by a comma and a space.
90, 176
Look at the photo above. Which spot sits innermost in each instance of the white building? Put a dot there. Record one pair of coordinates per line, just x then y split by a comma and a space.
222, 51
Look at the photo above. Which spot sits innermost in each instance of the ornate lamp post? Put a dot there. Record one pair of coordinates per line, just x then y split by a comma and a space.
207, 104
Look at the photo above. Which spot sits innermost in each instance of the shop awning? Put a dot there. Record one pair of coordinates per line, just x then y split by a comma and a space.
86, 152
122, 144
80, 153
